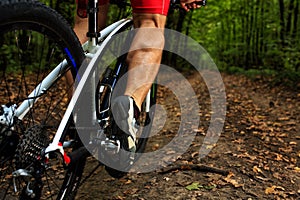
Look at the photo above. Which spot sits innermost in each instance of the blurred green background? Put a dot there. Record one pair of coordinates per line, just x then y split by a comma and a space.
256, 37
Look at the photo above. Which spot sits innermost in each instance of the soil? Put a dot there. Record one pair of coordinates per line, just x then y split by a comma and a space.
257, 155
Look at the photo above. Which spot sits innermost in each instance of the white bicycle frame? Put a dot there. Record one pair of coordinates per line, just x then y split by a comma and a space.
94, 50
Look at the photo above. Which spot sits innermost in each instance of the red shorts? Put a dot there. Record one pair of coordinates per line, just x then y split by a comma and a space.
151, 6
138, 6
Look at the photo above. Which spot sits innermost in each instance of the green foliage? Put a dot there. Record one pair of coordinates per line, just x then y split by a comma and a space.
23, 47
116, 12
288, 78
65, 7
193, 186
197, 186
242, 33
256, 37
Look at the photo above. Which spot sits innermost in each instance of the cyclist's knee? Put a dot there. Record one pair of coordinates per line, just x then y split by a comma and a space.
150, 34
143, 20
148, 39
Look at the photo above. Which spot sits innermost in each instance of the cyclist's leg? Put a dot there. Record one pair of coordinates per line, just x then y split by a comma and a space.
80, 28
143, 63
145, 54
146, 50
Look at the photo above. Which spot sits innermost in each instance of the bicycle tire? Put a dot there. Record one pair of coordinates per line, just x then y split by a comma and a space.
25, 25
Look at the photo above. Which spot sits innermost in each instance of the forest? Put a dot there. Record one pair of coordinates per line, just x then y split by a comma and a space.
255, 45
242, 36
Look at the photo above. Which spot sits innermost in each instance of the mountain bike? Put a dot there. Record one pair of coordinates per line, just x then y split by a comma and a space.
42, 155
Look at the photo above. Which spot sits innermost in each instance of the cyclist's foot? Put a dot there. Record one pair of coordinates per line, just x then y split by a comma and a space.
124, 129
126, 113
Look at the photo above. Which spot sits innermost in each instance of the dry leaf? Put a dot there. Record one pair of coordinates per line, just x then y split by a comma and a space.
278, 157
272, 189
235, 183
297, 169
256, 169
283, 118
130, 191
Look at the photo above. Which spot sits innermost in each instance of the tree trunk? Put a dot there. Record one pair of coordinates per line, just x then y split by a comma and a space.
282, 22
295, 26
289, 18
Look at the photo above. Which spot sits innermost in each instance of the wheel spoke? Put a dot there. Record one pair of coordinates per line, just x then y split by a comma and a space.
28, 53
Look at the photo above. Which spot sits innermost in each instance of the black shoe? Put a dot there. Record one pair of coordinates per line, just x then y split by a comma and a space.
125, 114
124, 128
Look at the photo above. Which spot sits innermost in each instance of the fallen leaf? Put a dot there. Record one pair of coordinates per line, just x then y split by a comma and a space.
147, 187
297, 169
178, 114
155, 147
120, 197
199, 130
283, 118
262, 178
293, 160
234, 182
257, 169
278, 157
193, 186
272, 189
194, 154
130, 191
209, 187
280, 187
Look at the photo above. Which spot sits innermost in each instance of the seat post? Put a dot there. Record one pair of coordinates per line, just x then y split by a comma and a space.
93, 33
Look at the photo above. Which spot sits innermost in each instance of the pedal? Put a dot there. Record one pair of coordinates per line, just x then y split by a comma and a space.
111, 146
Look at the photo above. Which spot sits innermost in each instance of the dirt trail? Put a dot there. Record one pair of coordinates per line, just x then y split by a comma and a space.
259, 147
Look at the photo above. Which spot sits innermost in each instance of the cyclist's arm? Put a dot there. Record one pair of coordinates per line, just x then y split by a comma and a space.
189, 4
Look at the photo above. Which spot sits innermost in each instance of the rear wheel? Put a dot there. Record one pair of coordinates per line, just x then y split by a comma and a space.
34, 39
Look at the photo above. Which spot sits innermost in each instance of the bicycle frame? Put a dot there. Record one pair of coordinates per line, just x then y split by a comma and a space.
93, 48
23, 109
106, 33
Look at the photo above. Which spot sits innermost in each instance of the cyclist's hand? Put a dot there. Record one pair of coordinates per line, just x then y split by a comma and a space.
189, 4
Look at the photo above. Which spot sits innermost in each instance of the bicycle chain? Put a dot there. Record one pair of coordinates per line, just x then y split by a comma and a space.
30, 148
